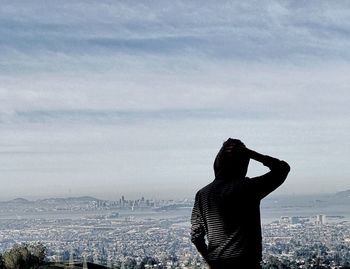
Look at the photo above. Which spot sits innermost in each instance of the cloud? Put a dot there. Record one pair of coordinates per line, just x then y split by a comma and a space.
141, 90
244, 31
211, 91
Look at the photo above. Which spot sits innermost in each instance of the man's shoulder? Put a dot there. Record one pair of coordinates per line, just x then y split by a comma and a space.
228, 186
206, 188
215, 186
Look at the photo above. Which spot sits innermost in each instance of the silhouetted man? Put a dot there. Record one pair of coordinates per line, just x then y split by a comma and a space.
226, 212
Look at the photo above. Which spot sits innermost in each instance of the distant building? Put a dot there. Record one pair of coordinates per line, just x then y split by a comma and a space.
320, 219
284, 219
289, 220
294, 220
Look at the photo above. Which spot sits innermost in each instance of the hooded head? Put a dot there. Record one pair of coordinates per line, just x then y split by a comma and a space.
232, 160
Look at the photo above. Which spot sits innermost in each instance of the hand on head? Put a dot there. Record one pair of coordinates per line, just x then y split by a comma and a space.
235, 146
232, 160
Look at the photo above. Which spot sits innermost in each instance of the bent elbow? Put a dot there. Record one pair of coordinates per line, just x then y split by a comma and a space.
284, 170
285, 167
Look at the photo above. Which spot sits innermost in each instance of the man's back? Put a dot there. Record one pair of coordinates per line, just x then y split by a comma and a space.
230, 217
227, 212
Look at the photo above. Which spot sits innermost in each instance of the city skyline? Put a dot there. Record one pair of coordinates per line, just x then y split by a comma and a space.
107, 98
106, 232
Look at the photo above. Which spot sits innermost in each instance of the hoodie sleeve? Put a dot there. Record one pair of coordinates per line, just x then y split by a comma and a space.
267, 183
197, 229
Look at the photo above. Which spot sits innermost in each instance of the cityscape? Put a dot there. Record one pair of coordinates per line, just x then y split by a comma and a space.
126, 233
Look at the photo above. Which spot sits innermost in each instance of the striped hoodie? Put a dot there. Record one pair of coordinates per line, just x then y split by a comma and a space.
225, 221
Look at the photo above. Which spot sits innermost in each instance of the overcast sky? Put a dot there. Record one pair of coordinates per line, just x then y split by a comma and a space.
106, 98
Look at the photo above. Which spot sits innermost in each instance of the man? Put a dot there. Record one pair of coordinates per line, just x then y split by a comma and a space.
226, 212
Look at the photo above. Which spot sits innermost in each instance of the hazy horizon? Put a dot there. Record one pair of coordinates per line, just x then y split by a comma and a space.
109, 98
160, 196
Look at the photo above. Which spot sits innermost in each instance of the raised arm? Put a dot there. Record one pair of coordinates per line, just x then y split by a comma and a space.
267, 183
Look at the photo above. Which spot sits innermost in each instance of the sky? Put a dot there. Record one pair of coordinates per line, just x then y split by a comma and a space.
134, 98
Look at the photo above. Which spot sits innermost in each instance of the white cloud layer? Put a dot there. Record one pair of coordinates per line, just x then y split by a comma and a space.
101, 95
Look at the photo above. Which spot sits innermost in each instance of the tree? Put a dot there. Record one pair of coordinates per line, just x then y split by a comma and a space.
24, 256
345, 264
141, 265
130, 263
2, 266
13, 259
38, 253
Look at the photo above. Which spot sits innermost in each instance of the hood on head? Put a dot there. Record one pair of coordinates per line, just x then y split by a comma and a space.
231, 162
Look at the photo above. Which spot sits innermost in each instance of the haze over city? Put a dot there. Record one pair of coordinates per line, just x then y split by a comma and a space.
111, 98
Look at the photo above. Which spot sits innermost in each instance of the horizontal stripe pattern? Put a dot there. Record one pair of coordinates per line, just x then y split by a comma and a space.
226, 214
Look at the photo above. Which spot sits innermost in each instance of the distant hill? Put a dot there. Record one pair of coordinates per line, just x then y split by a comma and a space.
19, 201
80, 200
83, 199
69, 199
343, 194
